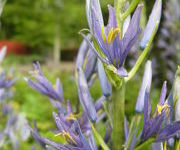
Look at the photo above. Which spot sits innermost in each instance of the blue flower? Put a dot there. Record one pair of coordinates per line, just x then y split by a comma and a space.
109, 46
44, 86
156, 126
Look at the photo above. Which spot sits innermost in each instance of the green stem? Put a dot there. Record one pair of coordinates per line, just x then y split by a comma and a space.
144, 145
142, 56
165, 145
118, 105
130, 9
119, 6
177, 144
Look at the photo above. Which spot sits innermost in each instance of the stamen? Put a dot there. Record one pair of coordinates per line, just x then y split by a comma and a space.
67, 136
36, 71
110, 35
160, 108
116, 31
103, 34
73, 116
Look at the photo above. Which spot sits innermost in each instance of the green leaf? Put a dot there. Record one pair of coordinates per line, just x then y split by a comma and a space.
145, 144
99, 138
107, 113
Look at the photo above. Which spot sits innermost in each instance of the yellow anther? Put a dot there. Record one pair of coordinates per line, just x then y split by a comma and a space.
160, 108
110, 35
103, 34
116, 31
36, 71
73, 116
67, 136
10, 76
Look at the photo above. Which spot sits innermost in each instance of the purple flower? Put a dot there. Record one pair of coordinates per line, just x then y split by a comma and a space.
44, 86
73, 135
6, 81
156, 126
109, 47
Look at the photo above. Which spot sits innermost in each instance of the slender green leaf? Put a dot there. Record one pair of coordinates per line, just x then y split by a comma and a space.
99, 138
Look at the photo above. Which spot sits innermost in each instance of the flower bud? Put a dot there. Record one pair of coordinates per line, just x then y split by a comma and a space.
145, 87
155, 17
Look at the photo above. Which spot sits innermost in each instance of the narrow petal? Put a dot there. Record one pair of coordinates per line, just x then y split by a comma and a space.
112, 23
147, 111
126, 24
85, 96
92, 142
82, 52
92, 47
59, 89
82, 137
131, 34
104, 82
168, 131
99, 103
163, 94
96, 5
90, 64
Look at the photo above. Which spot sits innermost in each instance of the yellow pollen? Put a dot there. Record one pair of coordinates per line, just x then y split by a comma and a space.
73, 116
67, 136
160, 108
36, 71
116, 31
103, 34
109, 37
9, 76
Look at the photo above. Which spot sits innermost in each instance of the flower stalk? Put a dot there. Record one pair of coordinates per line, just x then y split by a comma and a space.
177, 144
118, 105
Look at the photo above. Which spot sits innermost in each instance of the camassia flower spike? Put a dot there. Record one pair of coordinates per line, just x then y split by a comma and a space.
109, 45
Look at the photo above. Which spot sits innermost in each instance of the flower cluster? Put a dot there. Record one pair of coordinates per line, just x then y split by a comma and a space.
102, 55
15, 123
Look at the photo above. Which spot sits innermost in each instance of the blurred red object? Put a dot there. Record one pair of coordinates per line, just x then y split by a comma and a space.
14, 47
